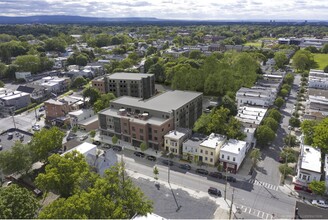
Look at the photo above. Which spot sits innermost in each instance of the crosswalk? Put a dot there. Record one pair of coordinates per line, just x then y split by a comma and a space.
254, 212
264, 184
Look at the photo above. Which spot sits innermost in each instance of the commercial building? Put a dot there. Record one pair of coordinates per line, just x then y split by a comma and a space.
136, 120
308, 166
127, 84
318, 79
174, 139
12, 101
209, 149
232, 154
316, 107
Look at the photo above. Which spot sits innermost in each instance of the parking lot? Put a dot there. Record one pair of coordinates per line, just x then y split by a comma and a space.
9, 138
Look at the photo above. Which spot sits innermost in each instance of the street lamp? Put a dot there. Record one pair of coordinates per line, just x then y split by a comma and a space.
225, 185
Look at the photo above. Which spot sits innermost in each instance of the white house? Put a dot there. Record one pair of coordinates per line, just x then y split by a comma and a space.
232, 154
79, 115
258, 96
308, 166
251, 116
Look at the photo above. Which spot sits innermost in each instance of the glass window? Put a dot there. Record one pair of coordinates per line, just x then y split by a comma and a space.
141, 130
206, 152
222, 156
228, 157
211, 160
211, 153
205, 158
233, 159
201, 151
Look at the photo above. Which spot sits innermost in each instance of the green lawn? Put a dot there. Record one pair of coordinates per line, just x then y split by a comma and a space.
254, 44
321, 59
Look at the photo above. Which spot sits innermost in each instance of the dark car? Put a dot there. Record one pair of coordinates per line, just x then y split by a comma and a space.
231, 179
202, 171
214, 191
168, 162
139, 154
185, 166
117, 148
151, 158
216, 175
96, 143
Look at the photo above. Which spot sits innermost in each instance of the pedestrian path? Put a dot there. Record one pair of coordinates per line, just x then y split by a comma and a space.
264, 184
254, 212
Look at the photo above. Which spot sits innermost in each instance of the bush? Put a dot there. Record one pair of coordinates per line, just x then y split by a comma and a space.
294, 122
279, 102
305, 75
92, 133
25, 108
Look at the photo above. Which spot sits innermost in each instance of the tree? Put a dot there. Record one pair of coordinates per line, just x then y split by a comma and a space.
285, 170
230, 104
158, 70
81, 60
2, 84
294, 122
264, 135
283, 92
312, 49
28, 63
113, 196
320, 135
290, 140
17, 203
92, 133
255, 156
234, 130
143, 146
195, 54
325, 48
281, 59
19, 153
303, 60
288, 155
66, 174
307, 128
92, 93
78, 82
289, 79
279, 102
151, 50
155, 171
271, 123
103, 102
274, 113
3, 70
114, 139
45, 141
55, 44
318, 187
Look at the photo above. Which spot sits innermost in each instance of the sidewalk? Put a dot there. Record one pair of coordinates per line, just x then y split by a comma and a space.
222, 212
158, 154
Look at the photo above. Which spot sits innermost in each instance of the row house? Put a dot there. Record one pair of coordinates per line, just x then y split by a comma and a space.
256, 96
232, 154
173, 140
136, 120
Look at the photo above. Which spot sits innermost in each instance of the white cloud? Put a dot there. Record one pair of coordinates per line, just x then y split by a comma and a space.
172, 9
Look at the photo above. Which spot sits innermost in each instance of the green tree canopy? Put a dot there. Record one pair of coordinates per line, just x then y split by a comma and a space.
271, 123
307, 128
45, 141
320, 135
17, 203
78, 82
28, 63
294, 122
281, 59
92, 93
55, 44
103, 102
303, 60
318, 187
325, 48
274, 113
111, 197
143, 146
19, 153
2, 84
289, 79
81, 60
255, 156
285, 170
264, 135
279, 102
114, 139
290, 140
66, 174
289, 154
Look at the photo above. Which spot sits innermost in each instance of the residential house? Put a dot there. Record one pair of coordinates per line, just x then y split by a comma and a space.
190, 147
136, 120
316, 107
209, 149
318, 79
37, 93
258, 96
251, 116
12, 101
308, 166
173, 140
232, 154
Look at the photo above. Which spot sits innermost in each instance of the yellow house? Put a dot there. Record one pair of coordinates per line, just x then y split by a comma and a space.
174, 139
209, 149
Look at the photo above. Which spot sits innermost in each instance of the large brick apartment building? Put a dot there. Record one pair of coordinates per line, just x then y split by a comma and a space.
127, 84
136, 120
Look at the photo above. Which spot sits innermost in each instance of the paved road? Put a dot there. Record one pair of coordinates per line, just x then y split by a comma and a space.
255, 199
268, 167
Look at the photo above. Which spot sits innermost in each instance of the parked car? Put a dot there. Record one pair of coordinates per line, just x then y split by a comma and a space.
36, 127
117, 148
168, 162
320, 203
216, 175
151, 158
83, 137
139, 154
185, 166
10, 136
41, 108
231, 179
202, 171
96, 143
1, 147
214, 191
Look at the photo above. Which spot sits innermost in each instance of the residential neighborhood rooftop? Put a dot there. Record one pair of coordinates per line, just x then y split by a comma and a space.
214, 140
311, 159
233, 146
129, 76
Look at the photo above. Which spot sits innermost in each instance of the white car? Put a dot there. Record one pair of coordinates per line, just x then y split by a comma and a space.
320, 203
83, 137
36, 127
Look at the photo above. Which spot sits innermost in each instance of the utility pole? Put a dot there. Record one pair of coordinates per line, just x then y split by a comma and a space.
230, 211
225, 185
14, 120
36, 115
286, 164
168, 174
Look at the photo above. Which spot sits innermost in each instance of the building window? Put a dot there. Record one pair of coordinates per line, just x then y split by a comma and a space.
155, 131
222, 156
228, 157
141, 130
211, 153
133, 135
201, 151
211, 160
233, 159
133, 129
155, 138
166, 141
206, 158
141, 137
206, 152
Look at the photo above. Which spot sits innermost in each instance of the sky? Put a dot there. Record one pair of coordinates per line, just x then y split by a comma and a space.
173, 9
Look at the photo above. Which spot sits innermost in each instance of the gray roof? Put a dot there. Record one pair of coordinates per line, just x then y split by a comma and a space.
195, 140
164, 102
129, 76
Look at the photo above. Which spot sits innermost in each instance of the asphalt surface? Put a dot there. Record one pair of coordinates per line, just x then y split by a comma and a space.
268, 167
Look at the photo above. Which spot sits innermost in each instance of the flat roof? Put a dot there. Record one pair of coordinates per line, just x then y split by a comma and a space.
195, 140
318, 92
176, 134
311, 159
164, 102
82, 148
129, 76
54, 102
89, 120
16, 94
214, 140
233, 146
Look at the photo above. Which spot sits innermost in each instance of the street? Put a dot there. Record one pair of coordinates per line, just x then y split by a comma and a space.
268, 167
